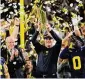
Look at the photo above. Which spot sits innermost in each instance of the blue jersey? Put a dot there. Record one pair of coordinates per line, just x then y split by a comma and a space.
76, 59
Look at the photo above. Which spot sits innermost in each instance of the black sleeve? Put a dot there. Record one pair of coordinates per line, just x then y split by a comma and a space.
4, 53
35, 36
21, 55
58, 44
38, 46
56, 37
83, 50
7, 33
64, 53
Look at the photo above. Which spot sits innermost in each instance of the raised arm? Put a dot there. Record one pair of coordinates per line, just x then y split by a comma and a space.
37, 45
35, 37
54, 35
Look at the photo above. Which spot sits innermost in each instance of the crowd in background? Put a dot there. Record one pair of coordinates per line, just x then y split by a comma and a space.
17, 62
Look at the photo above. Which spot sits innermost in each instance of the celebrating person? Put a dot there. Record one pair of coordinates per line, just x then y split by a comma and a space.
48, 54
14, 58
76, 57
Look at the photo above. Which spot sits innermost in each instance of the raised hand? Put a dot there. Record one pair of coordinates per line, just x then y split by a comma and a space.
16, 53
48, 27
12, 56
38, 26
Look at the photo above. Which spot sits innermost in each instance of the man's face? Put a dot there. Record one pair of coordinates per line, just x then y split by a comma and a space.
10, 43
48, 42
83, 30
29, 65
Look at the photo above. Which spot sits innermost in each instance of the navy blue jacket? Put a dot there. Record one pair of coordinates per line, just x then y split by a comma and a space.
76, 59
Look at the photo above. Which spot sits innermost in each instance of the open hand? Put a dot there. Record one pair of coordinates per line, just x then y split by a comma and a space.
16, 53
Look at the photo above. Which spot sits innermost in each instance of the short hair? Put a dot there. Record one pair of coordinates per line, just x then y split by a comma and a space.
9, 38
